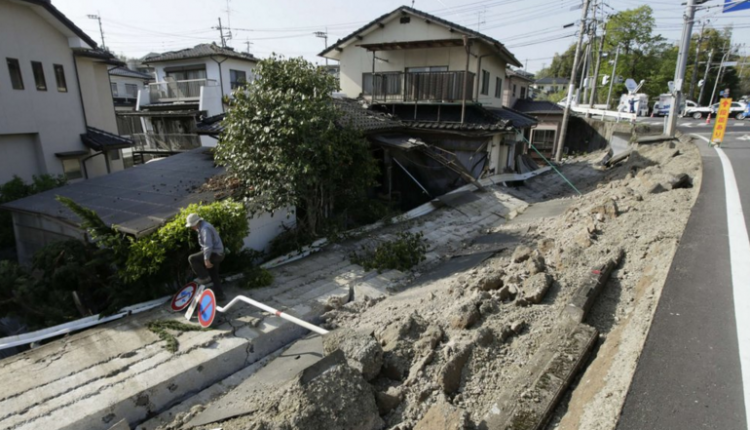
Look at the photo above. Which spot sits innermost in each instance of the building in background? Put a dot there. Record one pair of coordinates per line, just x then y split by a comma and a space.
189, 84
125, 84
547, 86
57, 113
517, 87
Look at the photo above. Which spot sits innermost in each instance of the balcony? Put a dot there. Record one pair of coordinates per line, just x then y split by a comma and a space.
415, 87
172, 143
178, 91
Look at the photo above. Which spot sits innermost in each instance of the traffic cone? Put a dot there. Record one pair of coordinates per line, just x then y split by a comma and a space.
708, 118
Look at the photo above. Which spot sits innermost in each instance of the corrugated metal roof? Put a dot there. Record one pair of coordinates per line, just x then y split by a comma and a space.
127, 73
100, 140
202, 50
406, 9
136, 200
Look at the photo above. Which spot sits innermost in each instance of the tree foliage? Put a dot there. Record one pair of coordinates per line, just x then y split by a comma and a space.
284, 141
16, 189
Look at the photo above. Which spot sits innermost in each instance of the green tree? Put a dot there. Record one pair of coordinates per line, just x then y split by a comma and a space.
283, 139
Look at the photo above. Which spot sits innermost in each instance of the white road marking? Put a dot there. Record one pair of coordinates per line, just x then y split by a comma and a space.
745, 137
739, 249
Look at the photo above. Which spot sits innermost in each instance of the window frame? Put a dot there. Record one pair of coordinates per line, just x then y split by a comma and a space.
67, 172
14, 65
514, 89
485, 88
234, 82
60, 77
114, 89
131, 86
37, 69
498, 87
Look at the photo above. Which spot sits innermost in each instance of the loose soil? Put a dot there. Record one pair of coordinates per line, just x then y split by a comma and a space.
460, 341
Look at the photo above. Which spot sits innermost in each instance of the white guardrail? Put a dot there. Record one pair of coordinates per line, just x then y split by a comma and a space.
616, 115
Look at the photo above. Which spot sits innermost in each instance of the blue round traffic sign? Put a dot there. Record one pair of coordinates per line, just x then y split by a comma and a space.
181, 300
206, 308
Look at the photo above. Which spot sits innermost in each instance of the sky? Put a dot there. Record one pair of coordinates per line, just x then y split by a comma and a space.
531, 29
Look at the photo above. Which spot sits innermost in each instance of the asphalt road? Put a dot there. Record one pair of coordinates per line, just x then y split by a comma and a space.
689, 374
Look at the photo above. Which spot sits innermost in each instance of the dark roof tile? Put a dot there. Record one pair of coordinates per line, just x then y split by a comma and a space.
537, 106
202, 50
127, 73
100, 140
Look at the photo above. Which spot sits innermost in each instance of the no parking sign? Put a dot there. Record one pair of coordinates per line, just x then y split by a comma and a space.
181, 300
206, 308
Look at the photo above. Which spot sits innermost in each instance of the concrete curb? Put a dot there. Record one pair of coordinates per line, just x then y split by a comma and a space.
549, 373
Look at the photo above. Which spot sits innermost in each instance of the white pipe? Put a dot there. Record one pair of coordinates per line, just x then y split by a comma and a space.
267, 308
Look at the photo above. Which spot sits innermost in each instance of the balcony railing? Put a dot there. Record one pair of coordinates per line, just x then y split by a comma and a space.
171, 91
444, 87
169, 143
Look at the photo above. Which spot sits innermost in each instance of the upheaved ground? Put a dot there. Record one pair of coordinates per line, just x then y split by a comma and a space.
491, 336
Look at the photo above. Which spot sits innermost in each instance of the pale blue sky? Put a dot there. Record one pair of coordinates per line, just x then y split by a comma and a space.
531, 29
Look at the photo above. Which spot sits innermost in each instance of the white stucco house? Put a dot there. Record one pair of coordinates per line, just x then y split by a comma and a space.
189, 84
450, 85
57, 115
125, 84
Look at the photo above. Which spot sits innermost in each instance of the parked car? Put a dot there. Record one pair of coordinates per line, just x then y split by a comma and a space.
661, 106
737, 110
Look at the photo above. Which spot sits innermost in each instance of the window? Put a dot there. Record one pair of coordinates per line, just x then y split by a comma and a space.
14, 69
514, 90
113, 86
523, 92
498, 88
485, 82
62, 85
237, 78
41, 83
405, 20
543, 140
72, 169
131, 90
114, 154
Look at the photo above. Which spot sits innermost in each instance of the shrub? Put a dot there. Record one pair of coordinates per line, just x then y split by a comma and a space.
256, 277
402, 253
16, 189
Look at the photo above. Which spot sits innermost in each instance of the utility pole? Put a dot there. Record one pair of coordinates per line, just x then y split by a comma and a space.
694, 79
571, 85
612, 78
679, 75
323, 35
221, 34
98, 17
596, 69
247, 44
718, 76
705, 75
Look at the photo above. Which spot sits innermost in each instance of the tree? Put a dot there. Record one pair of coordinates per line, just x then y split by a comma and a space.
562, 65
284, 141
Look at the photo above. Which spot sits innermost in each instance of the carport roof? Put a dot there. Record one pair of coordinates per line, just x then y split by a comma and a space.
137, 200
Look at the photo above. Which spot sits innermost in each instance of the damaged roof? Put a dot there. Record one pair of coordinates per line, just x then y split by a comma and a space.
354, 113
100, 140
476, 118
406, 10
136, 200
202, 50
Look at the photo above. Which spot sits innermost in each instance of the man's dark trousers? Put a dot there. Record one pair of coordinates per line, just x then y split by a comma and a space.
199, 267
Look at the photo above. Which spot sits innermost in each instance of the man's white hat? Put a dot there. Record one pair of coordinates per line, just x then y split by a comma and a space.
192, 220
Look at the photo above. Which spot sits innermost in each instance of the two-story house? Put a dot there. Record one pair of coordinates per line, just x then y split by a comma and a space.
190, 83
446, 82
517, 87
56, 110
125, 84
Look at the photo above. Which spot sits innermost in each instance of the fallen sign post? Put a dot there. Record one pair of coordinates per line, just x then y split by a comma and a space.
722, 116
204, 302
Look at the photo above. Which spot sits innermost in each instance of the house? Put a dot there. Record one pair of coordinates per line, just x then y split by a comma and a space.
190, 83
551, 85
57, 114
544, 136
517, 87
446, 83
136, 201
125, 84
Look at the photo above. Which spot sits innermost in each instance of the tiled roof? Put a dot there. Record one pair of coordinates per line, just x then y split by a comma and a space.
354, 114
476, 118
552, 81
202, 50
100, 140
537, 106
136, 200
520, 74
406, 9
127, 73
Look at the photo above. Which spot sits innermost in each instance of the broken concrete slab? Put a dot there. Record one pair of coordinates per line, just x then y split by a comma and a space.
443, 416
449, 377
535, 288
591, 285
362, 351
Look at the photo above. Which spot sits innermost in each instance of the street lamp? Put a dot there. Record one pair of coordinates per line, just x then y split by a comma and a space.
324, 36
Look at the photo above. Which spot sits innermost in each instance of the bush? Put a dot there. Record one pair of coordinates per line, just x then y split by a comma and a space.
402, 253
256, 277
